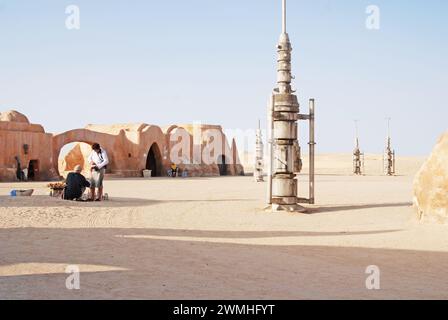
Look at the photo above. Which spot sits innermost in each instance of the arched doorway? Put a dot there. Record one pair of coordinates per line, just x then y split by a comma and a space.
222, 165
154, 161
33, 170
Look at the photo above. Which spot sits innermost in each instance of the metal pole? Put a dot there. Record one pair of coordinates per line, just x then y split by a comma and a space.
270, 147
283, 16
388, 126
357, 133
259, 155
312, 145
393, 171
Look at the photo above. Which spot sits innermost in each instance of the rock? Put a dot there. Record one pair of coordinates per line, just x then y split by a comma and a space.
76, 156
431, 185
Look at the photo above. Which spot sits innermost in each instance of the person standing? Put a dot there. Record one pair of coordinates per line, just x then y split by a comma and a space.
98, 160
19, 172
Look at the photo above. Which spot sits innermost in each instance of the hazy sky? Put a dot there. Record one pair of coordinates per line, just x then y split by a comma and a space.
178, 61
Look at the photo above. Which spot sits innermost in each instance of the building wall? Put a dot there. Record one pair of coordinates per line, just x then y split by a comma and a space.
13, 137
127, 146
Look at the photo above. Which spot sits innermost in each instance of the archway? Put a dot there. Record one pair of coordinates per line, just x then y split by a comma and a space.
80, 136
154, 161
222, 165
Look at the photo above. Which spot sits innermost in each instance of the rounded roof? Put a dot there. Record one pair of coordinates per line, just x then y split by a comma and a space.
13, 116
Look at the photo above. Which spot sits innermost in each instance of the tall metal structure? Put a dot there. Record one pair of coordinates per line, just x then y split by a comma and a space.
284, 149
259, 153
358, 156
389, 154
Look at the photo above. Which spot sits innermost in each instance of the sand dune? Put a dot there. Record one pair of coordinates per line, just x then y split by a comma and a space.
342, 164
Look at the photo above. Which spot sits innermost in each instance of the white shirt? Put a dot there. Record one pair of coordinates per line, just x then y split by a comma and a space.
99, 159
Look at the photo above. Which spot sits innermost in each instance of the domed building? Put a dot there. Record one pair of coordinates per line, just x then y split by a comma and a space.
27, 152
25, 148
13, 116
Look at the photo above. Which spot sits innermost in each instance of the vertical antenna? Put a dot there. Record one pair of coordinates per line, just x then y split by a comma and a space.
283, 16
388, 133
388, 126
357, 133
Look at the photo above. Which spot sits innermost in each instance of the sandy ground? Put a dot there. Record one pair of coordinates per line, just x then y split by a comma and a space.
209, 238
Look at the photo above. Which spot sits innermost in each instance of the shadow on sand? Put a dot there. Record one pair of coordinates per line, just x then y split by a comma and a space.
358, 207
158, 268
46, 201
49, 202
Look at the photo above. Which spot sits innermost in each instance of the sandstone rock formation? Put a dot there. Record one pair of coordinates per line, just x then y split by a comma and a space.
431, 185
76, 156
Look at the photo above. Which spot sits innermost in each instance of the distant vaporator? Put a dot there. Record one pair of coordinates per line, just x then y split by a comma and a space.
284, 149
259, 150
389, 154
358, 156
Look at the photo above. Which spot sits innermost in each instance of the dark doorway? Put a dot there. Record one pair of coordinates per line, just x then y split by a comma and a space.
33, 170
154, 161
222, 165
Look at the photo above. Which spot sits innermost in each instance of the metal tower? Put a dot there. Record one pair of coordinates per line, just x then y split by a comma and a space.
358, 156
259, 152
389, 154
285, 161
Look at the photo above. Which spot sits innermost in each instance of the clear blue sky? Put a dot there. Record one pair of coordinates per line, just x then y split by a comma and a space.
178, 61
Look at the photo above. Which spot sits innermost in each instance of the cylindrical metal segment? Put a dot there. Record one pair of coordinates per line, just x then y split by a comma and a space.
284, 188
285, 130
283, 159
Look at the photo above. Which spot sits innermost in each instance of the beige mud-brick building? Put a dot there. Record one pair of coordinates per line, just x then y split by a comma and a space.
132, 148
27, 145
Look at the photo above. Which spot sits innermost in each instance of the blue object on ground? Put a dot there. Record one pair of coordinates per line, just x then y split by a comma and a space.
14, 193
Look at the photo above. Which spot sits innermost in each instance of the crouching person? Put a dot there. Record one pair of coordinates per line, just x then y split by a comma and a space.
76, 184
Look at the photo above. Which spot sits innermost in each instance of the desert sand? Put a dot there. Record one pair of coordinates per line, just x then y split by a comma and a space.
209, 238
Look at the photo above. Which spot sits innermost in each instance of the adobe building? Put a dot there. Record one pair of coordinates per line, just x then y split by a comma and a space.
132, 148
26, 145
